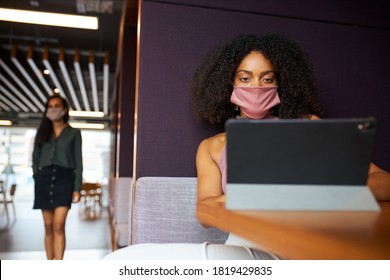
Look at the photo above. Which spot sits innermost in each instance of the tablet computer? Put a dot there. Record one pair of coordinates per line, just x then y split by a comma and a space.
299, 164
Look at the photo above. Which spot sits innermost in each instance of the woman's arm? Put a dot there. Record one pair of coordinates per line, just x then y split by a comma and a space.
78, 159
209, 177
35, 158
379, 182
378, 179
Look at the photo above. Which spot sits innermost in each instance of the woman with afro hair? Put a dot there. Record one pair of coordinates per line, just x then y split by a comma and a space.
267, 65
213, 82
257, 77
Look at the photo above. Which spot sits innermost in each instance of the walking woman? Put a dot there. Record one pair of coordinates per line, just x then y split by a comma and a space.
57, 168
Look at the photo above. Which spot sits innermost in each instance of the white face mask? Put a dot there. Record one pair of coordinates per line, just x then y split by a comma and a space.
55, 114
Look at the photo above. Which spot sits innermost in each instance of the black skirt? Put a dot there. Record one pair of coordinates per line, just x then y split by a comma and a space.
54, 187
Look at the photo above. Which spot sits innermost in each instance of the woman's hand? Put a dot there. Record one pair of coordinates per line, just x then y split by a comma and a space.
379, 183
75, 197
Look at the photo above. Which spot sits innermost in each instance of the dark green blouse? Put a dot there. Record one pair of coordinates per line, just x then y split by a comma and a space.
65, 151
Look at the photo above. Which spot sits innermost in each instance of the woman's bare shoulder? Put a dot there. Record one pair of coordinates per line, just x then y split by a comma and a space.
213, 145
216, 140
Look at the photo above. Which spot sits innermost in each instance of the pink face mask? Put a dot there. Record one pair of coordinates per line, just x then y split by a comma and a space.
255, 102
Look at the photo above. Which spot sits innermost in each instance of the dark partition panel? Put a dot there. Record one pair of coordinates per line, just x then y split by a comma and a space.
349, 53
126, 100
352, 12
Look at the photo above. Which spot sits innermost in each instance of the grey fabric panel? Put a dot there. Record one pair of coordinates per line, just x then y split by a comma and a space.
165, 212
121, 235
121, 209
122, 200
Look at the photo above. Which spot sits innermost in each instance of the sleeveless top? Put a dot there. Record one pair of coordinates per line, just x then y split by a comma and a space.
223, 164
233, 239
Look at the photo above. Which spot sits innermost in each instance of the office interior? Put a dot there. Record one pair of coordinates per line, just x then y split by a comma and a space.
135, 70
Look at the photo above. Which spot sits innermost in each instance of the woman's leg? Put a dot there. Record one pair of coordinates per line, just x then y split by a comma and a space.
60, 214
48, 216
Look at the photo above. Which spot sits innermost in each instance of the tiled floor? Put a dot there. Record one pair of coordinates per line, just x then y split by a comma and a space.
23, 239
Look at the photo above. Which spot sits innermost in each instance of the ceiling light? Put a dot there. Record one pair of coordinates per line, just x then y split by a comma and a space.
79, 75
92, 75
6, 102
91, 114
22, 84
37, 72
17, 93
5, 107
87, 125
69, 84
53, 76
53, 19
13, 98
5, 122
34, 3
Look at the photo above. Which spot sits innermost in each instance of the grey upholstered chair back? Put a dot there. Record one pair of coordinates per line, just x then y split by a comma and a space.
165, 212
122, 211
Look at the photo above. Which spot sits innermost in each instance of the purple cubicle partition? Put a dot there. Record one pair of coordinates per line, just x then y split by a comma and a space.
348, 43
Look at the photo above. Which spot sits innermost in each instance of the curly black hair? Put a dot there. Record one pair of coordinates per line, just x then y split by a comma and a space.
212, 83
